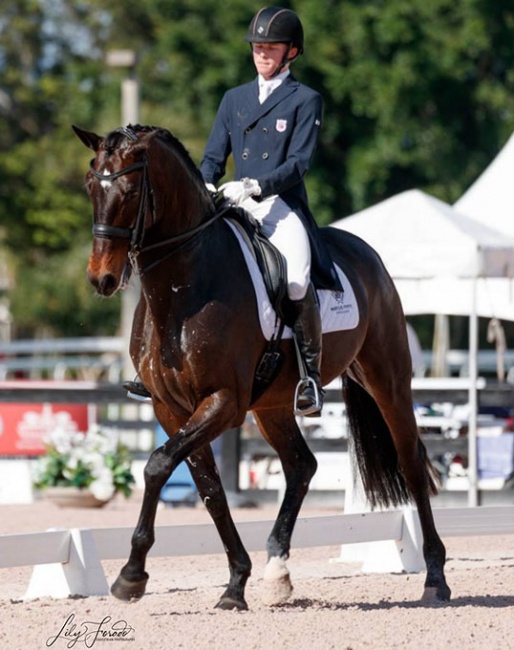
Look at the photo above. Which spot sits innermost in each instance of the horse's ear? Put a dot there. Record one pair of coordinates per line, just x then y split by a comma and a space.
89, 138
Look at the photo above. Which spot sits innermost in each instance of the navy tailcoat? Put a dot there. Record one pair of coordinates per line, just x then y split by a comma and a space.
274, 143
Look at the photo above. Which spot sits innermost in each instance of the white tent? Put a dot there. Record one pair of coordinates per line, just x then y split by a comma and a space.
490, 199
433, 253
439, 259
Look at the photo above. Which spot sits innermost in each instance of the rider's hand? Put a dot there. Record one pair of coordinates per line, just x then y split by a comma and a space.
211, 188
237, 191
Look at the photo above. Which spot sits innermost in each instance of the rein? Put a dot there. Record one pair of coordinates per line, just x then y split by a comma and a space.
181, 239
136, 233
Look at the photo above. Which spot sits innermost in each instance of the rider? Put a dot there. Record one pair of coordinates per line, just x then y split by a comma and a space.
271, 127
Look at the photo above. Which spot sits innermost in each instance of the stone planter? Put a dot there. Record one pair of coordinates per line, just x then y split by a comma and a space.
72, 497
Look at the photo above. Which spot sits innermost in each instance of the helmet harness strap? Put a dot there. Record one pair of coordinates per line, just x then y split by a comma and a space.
284, 62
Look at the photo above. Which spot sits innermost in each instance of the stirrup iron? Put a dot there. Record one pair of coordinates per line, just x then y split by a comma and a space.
139, 398
137, 391
304, 383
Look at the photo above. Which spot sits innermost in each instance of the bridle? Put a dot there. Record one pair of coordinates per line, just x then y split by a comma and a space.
136, 233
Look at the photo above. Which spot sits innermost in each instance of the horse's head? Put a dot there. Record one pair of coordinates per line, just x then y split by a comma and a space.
131, 185
116, 183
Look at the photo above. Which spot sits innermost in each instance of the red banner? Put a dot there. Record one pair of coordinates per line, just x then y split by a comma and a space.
24, 426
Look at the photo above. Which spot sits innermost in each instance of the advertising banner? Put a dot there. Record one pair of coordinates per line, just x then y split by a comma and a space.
24, 426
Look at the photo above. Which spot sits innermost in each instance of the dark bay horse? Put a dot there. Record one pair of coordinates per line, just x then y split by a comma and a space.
196, 342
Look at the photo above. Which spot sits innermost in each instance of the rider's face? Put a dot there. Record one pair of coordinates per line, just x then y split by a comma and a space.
268, 56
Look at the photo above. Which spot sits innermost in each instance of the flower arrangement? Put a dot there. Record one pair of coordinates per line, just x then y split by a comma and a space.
93, 461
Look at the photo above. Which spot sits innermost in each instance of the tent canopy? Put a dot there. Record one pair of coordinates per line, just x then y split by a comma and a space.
419, 236
490, 200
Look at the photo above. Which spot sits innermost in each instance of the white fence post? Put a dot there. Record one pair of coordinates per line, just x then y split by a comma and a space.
398, 556
388, 556
82, 575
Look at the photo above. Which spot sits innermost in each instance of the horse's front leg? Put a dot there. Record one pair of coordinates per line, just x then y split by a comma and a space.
205, 474
280, 429
213, 416
130, 585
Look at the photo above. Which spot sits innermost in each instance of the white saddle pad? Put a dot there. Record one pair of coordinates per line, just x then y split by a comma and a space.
339, 311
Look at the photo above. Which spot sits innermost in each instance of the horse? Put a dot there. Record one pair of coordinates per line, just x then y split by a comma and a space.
196, 342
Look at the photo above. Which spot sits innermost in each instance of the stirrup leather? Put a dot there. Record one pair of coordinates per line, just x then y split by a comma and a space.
316, 407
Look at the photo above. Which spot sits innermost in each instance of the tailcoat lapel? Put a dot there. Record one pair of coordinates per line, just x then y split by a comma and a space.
287, 87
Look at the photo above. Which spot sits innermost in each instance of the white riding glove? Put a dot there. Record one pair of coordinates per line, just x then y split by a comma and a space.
211, 188
237, 191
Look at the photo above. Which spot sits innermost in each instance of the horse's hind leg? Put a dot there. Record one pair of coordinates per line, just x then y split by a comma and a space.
389, 382
205, 474
280, 429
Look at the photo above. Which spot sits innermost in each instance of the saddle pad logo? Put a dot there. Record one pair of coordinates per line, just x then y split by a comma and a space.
338, 303
281, 125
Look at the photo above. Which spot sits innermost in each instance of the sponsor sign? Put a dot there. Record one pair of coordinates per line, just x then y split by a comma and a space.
24, 426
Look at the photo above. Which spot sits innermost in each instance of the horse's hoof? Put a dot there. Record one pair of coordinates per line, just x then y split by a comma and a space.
226, 602
127, 590
277, 587
276, 592
435, 595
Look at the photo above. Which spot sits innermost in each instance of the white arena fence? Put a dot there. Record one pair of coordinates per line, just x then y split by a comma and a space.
68, 562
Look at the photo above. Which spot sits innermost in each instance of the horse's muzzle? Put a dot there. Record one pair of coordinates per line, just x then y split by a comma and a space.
105, 284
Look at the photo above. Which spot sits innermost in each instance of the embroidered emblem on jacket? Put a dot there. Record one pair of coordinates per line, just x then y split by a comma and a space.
281, 125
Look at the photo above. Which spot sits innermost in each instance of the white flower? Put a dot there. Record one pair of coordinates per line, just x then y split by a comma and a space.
41, 467
97, 440
84, 460
96, 464
64, 441
68, 472
103, 487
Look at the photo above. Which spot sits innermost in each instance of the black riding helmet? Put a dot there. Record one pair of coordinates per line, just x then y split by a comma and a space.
276, 25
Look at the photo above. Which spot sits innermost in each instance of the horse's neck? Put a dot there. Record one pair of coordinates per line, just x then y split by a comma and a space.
180, 204
184, 279
173, 269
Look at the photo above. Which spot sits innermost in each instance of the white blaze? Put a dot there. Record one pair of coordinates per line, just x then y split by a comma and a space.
106, 184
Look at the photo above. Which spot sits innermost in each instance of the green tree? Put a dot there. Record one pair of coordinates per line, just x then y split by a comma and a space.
49, 77
418, 94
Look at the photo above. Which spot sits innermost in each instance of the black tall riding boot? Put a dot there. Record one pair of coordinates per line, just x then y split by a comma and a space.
307, 329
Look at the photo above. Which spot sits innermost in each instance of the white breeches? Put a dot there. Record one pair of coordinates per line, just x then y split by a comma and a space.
285, 231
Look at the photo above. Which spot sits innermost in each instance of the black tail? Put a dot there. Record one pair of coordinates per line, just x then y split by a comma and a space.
374, 452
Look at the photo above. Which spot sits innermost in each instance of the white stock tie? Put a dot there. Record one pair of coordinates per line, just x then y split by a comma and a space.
265, 91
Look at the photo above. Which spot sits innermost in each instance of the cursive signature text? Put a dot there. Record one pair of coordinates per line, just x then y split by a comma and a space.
89, 632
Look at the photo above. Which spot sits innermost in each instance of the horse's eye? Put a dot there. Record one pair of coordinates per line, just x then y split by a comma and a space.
132, 193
